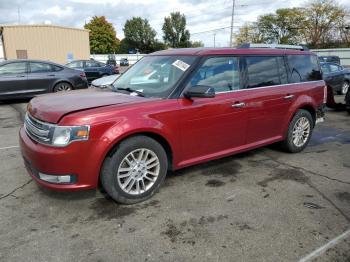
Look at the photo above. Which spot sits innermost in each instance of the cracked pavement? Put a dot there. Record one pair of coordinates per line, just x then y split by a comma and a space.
262, 205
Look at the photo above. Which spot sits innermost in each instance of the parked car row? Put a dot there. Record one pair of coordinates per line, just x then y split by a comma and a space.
94, 69
27, 78
111, 60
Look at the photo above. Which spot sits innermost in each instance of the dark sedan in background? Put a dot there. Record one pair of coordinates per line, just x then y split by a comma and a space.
93, 69
337, 77
330, 59
27, 78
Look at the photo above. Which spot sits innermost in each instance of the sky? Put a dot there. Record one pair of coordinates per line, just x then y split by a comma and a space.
202, 15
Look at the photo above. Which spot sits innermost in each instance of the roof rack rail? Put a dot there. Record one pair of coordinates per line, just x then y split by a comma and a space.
277, 46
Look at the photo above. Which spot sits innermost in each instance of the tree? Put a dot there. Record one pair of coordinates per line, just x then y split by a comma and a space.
249, 33
175, 32
283, 27
103, 38
196, 44
139, 34
324, 18
321, 24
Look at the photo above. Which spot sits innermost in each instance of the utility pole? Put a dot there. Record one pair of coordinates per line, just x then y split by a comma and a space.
19, 14
232, 21
214, 38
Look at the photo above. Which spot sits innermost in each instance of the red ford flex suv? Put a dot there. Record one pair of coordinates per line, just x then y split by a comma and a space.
172, 109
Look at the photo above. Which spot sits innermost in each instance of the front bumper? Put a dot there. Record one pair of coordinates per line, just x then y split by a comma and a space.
77, 159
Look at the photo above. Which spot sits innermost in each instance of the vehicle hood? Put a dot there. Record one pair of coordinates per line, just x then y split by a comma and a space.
52, 107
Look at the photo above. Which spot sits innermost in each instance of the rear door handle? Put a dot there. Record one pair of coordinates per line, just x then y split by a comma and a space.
51, 75
238, 105
20, 76
287, 97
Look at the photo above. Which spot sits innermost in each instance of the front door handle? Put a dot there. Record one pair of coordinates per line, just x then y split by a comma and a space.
238, 105
287, 97
51, 75
20, 76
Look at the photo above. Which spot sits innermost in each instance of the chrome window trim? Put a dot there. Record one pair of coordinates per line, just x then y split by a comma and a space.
263, 87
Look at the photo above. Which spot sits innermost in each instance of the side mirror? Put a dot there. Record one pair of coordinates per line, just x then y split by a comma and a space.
200, 91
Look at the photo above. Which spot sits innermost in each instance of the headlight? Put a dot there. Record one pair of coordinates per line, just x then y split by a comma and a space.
63, 135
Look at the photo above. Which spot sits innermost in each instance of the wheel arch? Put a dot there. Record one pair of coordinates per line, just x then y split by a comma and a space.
310, 109
154, 135
305, 106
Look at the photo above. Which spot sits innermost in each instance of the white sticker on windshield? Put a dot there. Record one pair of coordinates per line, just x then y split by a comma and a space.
181, 65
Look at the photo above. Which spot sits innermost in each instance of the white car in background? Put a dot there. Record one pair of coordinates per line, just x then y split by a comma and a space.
104, 82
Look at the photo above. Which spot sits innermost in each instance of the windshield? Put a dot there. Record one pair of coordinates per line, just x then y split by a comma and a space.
154, 76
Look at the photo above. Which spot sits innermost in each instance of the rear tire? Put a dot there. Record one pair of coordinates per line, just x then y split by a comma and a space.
299, 132
63, 86
135, 170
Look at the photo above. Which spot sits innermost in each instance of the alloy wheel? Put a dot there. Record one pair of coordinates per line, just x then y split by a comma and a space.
64, 87
301, 131
138, 171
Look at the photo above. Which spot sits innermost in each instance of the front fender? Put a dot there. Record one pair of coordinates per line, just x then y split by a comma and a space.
125, 128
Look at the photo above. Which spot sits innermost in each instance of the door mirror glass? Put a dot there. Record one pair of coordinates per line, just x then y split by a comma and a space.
200, 91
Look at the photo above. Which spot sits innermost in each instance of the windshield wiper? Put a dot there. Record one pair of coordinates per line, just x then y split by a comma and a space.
130, 90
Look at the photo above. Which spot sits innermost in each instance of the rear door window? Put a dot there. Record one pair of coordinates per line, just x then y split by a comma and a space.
40, 67
221, 73
265, 71
304, 68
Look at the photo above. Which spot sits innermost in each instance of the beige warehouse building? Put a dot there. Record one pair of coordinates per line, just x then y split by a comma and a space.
45, 42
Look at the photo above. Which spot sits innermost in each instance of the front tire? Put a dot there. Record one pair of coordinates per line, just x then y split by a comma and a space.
299, 132
135, 170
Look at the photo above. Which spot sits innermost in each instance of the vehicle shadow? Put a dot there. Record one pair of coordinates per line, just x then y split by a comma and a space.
15, 101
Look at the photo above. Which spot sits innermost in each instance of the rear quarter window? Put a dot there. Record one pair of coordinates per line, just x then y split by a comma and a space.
303, 68
265, 71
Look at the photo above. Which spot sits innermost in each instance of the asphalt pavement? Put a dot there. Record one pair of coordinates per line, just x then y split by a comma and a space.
263, 205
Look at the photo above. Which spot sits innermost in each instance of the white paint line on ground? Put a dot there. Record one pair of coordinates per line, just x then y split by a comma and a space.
325, 247
8, 147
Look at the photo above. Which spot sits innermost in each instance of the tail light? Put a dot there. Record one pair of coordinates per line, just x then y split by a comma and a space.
116, 69
325, 94
82, 75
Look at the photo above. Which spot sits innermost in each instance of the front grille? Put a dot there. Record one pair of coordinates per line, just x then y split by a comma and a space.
37, 130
